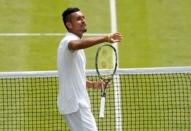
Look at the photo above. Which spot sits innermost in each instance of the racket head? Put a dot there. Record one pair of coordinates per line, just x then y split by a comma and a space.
103, 65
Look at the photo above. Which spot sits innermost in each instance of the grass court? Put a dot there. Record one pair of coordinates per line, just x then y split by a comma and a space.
156, 34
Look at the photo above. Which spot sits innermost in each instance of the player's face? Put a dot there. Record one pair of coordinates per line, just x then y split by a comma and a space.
78, 23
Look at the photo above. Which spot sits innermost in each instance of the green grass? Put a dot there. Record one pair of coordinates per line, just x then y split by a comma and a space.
156, 33
39, 53
28, 53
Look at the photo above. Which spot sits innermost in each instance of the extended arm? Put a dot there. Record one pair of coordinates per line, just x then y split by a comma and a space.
85, 43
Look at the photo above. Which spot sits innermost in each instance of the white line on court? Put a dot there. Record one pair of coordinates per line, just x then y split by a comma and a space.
117, 92
44, 34
113, 19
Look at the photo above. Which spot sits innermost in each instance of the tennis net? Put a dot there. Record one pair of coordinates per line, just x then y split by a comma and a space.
152, 99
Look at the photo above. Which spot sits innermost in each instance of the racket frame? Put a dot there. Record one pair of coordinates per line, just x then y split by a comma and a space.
106, 80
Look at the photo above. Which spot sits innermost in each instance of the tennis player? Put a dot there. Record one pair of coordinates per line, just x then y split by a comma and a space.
73, 100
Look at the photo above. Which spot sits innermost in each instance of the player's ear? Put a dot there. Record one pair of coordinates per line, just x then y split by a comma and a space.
69, 25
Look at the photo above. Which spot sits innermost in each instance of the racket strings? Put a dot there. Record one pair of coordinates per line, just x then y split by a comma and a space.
105, 75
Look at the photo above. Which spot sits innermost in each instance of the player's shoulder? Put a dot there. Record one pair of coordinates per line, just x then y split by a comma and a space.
66, 40
71, 36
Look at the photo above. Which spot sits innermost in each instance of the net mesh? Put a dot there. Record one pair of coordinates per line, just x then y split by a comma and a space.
148, 101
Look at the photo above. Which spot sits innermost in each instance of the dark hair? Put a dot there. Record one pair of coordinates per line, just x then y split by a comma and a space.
67, 12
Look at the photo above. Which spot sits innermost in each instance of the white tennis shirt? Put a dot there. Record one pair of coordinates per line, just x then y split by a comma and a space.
72, 78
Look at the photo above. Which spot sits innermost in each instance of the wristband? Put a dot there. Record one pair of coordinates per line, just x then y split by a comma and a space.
109, 38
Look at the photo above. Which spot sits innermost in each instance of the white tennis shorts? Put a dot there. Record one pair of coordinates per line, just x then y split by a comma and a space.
82, 120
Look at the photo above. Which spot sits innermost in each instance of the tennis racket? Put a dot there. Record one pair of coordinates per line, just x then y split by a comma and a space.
106, 77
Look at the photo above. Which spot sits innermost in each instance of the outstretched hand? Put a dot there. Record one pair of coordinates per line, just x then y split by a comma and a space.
115, 37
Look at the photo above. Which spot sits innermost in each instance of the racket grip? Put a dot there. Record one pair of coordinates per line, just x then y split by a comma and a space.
102, 107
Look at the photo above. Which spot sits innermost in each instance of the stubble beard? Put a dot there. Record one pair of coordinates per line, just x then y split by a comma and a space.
85, 30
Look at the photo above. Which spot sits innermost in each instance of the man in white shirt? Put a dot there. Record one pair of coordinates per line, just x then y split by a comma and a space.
73, 100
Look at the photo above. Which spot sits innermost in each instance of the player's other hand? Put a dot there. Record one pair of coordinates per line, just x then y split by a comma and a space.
115, 37
99, 84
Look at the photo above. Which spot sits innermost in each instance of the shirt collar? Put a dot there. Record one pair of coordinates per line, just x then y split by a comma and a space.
72, 34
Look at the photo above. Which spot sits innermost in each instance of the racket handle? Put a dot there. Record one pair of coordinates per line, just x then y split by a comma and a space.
102, 107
